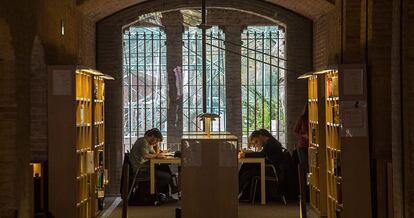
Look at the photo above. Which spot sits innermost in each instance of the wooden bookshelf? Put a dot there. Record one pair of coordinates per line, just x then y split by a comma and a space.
76, 123
339, 161
313, 151
98, 178
333, 144
316, 158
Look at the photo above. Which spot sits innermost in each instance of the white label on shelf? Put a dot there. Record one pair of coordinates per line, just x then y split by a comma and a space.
62, 82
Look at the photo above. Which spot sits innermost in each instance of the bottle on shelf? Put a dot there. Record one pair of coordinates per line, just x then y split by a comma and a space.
335, 86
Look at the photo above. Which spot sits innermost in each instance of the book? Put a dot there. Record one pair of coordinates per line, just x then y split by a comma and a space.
82, 114
334, 86
329, 88
90, 164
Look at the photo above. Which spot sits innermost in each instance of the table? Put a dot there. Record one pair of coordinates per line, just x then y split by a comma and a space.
177, 161
261, 161
153, 162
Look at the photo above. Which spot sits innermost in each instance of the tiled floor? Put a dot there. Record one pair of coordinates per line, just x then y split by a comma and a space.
271, 210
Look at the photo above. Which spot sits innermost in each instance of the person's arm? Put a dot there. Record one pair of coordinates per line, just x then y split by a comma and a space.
150, 154
256, 154
156, 148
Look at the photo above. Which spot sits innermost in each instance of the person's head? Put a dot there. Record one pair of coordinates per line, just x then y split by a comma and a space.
259, 137
153, 136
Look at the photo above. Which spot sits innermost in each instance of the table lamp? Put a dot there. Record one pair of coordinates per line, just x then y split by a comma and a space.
207, 118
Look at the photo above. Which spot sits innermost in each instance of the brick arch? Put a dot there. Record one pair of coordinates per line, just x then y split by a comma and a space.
99, 9
109, 57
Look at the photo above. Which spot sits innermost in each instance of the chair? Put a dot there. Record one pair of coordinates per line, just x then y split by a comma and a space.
137, 180
274, 178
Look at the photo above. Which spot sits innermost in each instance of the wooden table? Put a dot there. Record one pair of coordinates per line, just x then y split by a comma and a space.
153, 162
177, 161
261, 161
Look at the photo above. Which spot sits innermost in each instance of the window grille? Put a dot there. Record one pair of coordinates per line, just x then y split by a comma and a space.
192, 78
263, 85
145, 82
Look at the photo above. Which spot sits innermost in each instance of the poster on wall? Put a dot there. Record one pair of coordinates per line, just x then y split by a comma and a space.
354, 120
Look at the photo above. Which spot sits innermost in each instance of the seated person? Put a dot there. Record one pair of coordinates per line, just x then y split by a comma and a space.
146, 148
271, 150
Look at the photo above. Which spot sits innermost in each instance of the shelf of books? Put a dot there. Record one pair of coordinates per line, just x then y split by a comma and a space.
83, 141
75, 154
98, 180
339, 163
313, 151
333, 145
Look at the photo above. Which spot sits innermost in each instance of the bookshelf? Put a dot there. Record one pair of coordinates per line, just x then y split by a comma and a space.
313, 150
333, 144
339, 161
98, 179
75, 123
316, 157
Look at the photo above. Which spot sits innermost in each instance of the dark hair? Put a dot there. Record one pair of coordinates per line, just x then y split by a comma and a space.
154, 133
261, 132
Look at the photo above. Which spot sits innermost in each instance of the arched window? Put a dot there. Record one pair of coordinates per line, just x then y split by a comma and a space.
192, 78
145, 82
263, 80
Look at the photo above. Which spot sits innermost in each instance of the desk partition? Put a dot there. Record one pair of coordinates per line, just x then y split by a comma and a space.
209, 176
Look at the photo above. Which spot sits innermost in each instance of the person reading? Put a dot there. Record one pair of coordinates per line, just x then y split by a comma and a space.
270, 149
146, 148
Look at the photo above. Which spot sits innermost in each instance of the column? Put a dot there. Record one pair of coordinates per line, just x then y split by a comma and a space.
172, 22
233, 80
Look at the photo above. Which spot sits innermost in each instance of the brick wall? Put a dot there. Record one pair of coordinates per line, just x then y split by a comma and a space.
22, 123
38, 103
370, 36
408, 104
327, 39
7, 121
109, 60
